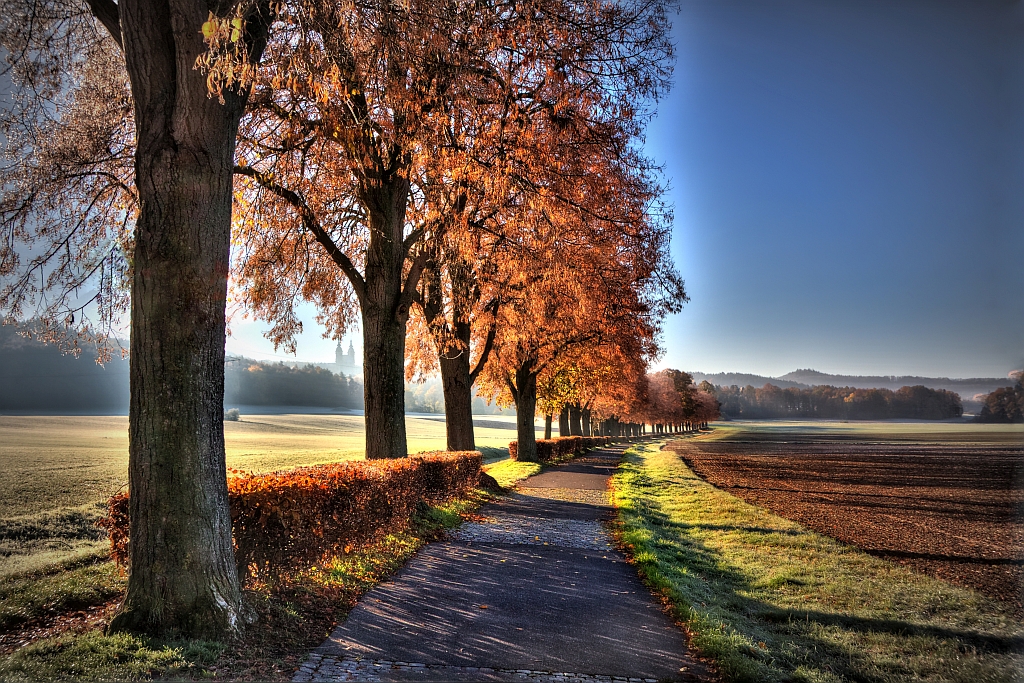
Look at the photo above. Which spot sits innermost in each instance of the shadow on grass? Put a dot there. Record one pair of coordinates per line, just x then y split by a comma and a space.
726, 622
982, 641
752, 639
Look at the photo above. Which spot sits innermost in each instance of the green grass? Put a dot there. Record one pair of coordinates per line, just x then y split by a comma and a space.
768, 600
26, 598
507, 472
56, 472
93, 656
28, 542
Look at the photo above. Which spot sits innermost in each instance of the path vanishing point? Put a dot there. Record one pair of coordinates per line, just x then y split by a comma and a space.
533, 592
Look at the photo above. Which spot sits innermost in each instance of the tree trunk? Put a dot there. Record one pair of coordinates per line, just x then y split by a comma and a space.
575, 421
563, 421
384, 316
183, 579
526, 411
458, 394
547, 426
587, 427
453, 358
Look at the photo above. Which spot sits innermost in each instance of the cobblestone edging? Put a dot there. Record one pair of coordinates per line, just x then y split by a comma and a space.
516, 529
319, 669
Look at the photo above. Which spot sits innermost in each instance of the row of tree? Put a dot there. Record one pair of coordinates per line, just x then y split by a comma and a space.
665, 402
847, 403
464, 175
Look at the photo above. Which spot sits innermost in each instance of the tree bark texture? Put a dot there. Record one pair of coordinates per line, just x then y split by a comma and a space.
183, 579
458, 396
587, 427
563, 421
526, 412
547, 426
385, 312
575, 421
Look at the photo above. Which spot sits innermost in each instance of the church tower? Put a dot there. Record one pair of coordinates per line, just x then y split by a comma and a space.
339, 356
351, 356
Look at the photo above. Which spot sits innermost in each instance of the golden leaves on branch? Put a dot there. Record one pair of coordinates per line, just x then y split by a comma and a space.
226, 62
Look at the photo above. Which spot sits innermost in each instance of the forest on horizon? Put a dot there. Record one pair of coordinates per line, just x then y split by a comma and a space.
844, 403
38, 376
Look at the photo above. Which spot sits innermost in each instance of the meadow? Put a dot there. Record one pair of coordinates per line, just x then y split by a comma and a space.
772, 599
56, 472
944, 500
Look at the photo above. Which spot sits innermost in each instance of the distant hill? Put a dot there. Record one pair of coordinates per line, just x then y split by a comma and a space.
802, 379
967, 388
742, 379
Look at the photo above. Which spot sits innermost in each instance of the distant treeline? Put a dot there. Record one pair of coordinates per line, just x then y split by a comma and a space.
38, 377
276, 384
845, 403
1004, 405
804, 379
428, 397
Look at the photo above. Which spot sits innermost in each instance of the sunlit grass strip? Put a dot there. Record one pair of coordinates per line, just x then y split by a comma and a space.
768, 600
507, 472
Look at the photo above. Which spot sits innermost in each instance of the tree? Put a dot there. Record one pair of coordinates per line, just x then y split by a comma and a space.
604, 297
1004, 404
707, 407
183, 578
348, 113
456, 113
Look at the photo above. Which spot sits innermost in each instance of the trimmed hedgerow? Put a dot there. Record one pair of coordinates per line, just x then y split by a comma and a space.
561, 447
304, 514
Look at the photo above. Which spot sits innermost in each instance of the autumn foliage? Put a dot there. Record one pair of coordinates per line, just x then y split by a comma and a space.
1005, 404
300, 515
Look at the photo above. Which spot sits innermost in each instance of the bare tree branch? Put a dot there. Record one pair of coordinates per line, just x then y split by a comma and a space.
310, 223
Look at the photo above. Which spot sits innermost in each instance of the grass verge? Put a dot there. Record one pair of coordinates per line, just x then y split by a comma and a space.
296, 610
507, 472
28, 599
768, 600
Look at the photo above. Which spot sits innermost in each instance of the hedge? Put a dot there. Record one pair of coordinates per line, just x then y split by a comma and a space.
559, 448
303, 514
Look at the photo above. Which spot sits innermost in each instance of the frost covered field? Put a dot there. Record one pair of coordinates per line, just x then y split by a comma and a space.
57, 471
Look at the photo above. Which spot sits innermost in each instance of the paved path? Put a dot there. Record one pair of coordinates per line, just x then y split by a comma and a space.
535, 591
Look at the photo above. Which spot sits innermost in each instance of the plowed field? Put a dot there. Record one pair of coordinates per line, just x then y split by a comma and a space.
946, 504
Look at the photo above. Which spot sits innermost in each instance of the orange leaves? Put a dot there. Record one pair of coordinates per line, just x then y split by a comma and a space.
562, 447
302, 514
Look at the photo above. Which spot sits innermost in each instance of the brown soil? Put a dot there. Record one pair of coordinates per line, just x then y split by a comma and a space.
951, 510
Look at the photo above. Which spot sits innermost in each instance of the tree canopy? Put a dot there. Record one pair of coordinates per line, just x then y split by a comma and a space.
474, 168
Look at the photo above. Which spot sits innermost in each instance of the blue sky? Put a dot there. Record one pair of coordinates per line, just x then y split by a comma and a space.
848, 183
847, 180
